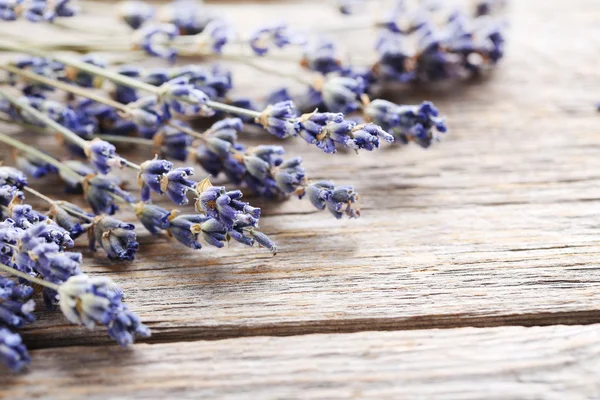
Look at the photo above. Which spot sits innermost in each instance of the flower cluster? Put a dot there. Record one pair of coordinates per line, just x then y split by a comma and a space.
36, 247
36, 10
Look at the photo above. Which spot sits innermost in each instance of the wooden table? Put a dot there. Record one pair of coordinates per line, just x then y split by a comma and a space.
473, 272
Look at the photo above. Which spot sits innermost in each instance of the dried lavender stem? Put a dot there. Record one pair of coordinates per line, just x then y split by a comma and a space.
88, 94
125, 80
268, 70
28, 277
40, 195
45, 119
46, 158
42, 156
57, 203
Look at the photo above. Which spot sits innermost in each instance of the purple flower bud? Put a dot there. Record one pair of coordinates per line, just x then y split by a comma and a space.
342, 94
225, 207
215, 35
13, 352
277, 119
151, 174
321, 56
154, 218
99, 191
186, 228
278, 35
135, 13
69, 222
176, 185
264, 240
8, 193
34, 167
102, 155
125, 326
185, 99
155, 40
12, 177
90, 301
24, 215
408, 123
325, 194
117, 238
290, 176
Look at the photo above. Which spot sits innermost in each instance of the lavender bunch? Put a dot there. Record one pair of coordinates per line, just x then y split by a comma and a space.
33, 248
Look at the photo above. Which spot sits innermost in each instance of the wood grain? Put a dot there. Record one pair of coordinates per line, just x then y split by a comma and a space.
496, 225
558, 362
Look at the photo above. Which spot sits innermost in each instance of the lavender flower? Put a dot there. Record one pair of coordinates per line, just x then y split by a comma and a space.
125, 94
172, 142
24, 215
154, 218
67, 221
155, 40
89, 301
342, 94
150, 176
99, 192
278, 35
215, 35
12, 177
13, 352
73, 185
84, 78
45, 231
321, 56
264, 241
135, 13
9, 235
395, 63
117, 238
290, 176
102, 155
8, 193
407, 123
15, 309
276, 119
187, 15
324, 194
329, 130
125, 326
176, 185
33, 166
186, 228
226, 207
185, 99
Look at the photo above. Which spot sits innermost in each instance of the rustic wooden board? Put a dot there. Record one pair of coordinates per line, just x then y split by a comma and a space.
558, 362
498, 225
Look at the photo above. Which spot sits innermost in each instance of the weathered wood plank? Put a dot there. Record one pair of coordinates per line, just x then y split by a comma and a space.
556, 362
497, 225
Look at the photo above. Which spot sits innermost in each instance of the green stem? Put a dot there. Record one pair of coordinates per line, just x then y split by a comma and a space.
28, 277
88, 94
40, 195
45, 120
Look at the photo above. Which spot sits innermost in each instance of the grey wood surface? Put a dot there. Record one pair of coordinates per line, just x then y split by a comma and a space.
496, 226
550, 363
